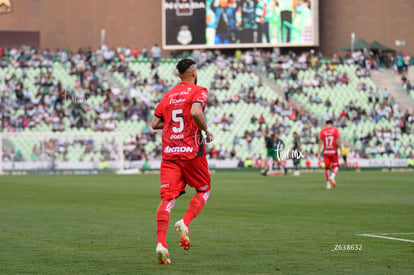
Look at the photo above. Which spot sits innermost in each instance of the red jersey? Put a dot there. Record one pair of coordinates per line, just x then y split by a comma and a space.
181, 137
329, 136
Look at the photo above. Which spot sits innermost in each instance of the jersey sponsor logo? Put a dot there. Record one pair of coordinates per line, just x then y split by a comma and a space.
177, 101
173, 95
165, 185
180, 136
183, 149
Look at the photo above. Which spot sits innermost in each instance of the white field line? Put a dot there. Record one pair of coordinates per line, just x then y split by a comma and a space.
408, 233
385, 237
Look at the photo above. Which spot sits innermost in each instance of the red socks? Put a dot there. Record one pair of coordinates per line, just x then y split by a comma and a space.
327, 174
163, 218
163, 214
196, 205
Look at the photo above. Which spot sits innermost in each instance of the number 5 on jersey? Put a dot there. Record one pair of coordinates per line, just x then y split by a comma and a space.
177, 117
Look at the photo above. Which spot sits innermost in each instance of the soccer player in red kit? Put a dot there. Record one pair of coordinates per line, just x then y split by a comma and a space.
331, 141
180, 115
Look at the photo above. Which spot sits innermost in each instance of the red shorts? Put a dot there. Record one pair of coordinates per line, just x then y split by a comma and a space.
176, 174
330, 160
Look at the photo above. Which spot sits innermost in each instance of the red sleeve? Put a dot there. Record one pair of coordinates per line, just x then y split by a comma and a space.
158, 110
337, 133
321, 135
201, 96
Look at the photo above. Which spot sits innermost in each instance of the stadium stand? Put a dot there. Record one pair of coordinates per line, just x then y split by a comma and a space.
368, 117
65, 91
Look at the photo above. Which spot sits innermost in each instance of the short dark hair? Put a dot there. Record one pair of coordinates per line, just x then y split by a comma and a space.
184, 64
329, 121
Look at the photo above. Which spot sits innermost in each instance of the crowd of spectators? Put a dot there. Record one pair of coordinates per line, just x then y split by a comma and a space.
57, 149
37, 96
43, 99
282, 113
52, 103
382, 106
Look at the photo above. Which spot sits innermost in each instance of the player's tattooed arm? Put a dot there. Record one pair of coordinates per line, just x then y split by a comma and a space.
198, 117
157, 123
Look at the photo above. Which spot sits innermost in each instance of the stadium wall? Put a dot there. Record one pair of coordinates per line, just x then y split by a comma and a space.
78, 23
137, 23
383, 20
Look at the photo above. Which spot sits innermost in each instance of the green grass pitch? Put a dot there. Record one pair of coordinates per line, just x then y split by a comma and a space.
251, 224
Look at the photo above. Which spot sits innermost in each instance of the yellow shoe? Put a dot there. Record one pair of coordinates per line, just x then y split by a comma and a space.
162, 254
182, 229
333, 181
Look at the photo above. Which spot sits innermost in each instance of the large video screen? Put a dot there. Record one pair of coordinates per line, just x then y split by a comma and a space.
190, 24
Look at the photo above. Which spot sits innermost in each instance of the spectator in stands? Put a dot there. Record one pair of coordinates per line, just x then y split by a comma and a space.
261, 120
328, 103
156, 53
400, 63
232, 152
136, 52
18, 155
253, 119
213, 153
144, 52
35, 153
377, 96
224, 123
215, 119
230, 119
344, 79
388, 150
